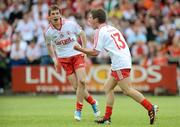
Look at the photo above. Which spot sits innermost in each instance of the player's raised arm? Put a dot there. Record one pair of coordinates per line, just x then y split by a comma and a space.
87, 51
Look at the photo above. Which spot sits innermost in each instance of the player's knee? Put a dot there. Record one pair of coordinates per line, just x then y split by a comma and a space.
82, 82
127, 91
106, 90
75, 87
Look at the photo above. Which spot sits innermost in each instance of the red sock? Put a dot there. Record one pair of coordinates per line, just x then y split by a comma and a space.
108, 112
90, 100
79, 106
146, 104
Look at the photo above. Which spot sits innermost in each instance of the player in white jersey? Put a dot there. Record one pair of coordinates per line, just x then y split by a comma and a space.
111, 40
61, 36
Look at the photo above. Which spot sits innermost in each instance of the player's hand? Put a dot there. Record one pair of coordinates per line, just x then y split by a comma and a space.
77, 47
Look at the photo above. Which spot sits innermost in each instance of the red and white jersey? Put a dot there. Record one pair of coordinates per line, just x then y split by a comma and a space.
111, 40
63, 40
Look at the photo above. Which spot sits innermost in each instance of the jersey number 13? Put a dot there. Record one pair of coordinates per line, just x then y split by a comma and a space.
119, 43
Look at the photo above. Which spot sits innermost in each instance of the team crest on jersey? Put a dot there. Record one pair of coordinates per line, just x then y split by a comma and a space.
61, 35
68, 32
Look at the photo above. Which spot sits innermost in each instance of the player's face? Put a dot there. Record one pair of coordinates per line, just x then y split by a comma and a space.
92, 22
55, 16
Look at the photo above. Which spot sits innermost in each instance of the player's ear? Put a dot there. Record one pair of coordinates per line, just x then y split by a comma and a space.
60, 11
96, 20
48, 18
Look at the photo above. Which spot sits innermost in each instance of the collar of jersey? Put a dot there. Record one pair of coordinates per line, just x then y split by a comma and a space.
102, 25
61, 23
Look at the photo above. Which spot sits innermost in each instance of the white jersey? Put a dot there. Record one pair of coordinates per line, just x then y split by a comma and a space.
63, 40
111, 40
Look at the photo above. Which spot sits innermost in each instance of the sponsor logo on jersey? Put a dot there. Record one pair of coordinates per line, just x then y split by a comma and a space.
64, 41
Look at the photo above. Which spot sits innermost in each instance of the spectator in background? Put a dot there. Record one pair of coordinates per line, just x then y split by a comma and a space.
139, 50
33, 53
39, 6
18, 51
129, 32
161, 38
2, 9
147, 59
174, 8
161, 57
127, 10
80, 7
5, 29
155, 11
16, 11
140, 26
174, 51
151, 29
171, 34
167, 25
26, 27
177, 22
138, 42
165, 8
137, 38
116, 12
42, 25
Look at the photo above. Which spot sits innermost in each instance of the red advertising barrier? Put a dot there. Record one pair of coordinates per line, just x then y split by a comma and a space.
46, 79
38, 79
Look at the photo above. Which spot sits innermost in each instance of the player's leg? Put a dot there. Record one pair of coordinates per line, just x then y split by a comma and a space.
125, 85
109, 91
73, 81
93, 102
124, 82
79, 66
79, 96
71, 76
81, 76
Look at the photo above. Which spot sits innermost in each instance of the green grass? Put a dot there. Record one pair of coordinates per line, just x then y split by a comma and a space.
57, 111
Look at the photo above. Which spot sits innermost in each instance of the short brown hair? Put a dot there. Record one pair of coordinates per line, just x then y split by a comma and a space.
53, 8
100, 14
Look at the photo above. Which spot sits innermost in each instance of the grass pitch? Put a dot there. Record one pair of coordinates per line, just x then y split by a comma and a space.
57, 111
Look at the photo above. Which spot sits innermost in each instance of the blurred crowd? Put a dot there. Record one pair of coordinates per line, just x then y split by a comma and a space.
150, 27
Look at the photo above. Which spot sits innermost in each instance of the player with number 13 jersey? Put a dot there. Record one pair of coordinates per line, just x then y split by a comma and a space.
110, 39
